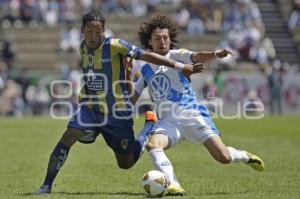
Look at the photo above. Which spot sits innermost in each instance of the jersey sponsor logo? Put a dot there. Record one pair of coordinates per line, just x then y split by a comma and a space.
91, 75
162, 69
160, 86
107, 60
94, 82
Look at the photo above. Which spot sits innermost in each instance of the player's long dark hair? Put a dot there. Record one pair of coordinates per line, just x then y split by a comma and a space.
159, 21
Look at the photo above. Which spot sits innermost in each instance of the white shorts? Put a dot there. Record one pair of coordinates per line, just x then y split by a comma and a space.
189, 125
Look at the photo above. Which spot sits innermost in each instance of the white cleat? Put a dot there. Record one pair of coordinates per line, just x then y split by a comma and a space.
44, 189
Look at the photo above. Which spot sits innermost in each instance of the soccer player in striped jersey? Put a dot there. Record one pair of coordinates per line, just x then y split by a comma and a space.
104, 102
180, 115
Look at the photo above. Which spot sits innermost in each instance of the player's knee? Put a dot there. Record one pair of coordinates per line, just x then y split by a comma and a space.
125, 165
152, 145
71, 136
224, 157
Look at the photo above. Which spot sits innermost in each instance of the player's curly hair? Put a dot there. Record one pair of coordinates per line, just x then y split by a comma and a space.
159, 21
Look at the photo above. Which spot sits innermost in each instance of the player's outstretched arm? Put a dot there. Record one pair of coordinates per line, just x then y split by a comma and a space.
204, 56
161, 60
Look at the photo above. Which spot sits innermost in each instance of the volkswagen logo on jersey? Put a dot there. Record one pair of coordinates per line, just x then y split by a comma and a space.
160, 86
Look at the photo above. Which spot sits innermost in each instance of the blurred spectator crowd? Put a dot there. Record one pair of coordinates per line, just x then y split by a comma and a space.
238, 20
53, 12
34, 12
196, 17
21, 94
294, 20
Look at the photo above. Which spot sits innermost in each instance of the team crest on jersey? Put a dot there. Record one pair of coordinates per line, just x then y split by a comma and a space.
90, 60
160, 86
124, 143
136, 76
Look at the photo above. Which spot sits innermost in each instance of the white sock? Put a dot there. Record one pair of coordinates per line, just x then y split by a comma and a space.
238, 155
162, 163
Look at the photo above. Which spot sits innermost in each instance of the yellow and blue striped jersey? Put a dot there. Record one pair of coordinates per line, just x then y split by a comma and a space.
105, 88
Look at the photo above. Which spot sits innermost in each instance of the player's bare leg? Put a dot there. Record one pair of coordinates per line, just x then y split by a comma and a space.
226, 155
156, 146
58, 157
71, 135
217, 149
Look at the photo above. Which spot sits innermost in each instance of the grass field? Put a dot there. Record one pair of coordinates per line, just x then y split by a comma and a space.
91, 170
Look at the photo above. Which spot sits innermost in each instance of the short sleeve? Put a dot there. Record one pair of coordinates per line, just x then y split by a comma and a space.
182, 55
126, 49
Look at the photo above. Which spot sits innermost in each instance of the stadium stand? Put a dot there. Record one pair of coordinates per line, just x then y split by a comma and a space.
42, 42
277, 29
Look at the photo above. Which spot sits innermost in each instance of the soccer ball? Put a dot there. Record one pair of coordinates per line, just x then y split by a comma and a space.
155, 183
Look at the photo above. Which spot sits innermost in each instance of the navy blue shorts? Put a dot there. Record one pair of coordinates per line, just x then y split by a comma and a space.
117, 133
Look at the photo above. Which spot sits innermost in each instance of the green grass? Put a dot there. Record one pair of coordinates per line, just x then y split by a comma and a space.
91, 170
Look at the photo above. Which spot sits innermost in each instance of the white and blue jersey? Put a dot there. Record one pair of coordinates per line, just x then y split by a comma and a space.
174, 99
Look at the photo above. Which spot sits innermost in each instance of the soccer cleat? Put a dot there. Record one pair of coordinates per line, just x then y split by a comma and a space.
175, 190
150, 116
255, 162
44, 189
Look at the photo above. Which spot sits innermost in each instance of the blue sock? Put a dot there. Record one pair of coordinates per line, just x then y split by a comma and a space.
57, 159
142, 138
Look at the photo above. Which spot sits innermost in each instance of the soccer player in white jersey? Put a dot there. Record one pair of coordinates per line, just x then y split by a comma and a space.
180, 116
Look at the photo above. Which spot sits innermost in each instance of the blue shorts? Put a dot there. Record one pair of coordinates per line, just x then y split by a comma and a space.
117, 133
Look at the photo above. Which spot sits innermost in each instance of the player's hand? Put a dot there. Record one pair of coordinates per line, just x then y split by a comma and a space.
198, 68
224, 52
188, 68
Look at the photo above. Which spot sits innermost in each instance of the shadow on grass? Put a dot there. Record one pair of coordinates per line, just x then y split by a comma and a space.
226, 193
98, 193
86, 193
219, 193
125, 193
